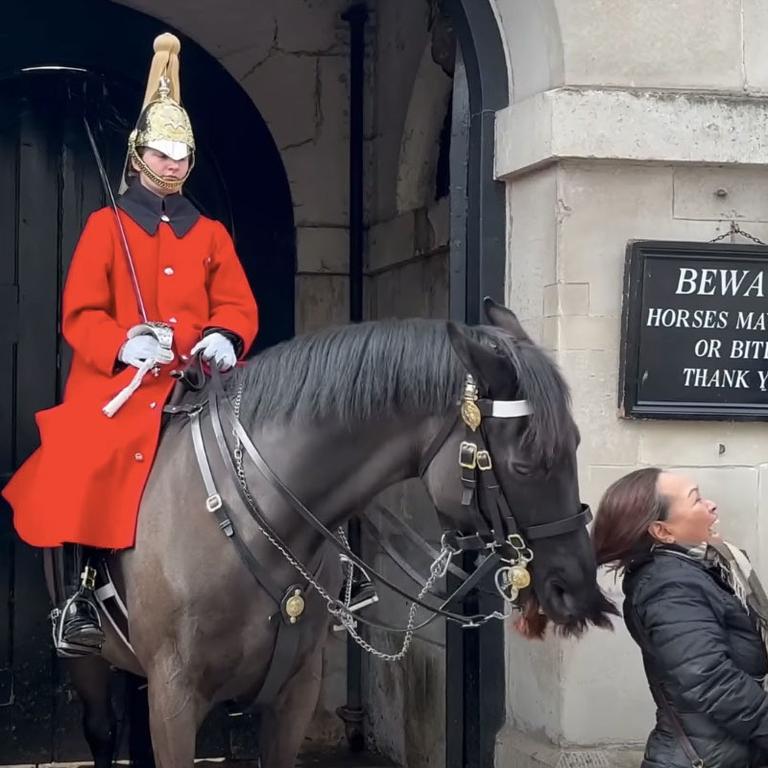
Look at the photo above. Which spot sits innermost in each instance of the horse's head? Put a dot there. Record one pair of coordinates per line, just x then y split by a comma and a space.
534, 460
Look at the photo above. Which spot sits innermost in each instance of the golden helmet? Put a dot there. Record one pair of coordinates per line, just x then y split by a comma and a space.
164, 124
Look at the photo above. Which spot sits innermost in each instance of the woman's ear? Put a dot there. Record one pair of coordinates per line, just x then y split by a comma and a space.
659, 531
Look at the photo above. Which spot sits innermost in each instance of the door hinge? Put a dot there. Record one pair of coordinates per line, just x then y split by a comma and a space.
6, 687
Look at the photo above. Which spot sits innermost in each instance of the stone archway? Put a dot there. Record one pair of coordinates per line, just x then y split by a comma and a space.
253, 198
57, 62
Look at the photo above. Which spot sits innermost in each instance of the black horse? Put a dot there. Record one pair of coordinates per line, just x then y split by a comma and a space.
338, 416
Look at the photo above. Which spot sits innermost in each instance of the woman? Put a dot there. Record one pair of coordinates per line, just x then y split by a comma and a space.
161, 261
702, 647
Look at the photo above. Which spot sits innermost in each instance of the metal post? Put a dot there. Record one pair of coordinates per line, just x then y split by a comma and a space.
355, 16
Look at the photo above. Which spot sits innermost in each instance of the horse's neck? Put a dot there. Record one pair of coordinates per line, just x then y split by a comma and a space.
337, 471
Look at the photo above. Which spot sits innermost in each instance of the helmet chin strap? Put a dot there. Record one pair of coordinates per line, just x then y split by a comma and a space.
171, 185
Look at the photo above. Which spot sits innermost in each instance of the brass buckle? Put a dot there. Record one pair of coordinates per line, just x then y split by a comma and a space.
467, 455
213, 502
484, 462
88, 577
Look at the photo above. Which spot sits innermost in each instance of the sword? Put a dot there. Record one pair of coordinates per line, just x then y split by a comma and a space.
121, 229
161, 331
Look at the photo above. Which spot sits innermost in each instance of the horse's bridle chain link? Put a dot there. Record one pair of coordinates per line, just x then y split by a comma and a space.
333, 606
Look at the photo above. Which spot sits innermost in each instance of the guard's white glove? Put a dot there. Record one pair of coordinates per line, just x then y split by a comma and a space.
216, 347
138, 350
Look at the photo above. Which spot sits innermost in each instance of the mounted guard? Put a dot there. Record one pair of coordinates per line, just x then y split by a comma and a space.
151, 283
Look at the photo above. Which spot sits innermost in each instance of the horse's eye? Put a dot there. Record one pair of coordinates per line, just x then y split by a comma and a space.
524, 470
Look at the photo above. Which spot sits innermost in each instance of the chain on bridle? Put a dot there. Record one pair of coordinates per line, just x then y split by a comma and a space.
500, 543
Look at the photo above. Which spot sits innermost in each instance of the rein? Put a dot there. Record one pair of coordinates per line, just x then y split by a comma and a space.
497, 532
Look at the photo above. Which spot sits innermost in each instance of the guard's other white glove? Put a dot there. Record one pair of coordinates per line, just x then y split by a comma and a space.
138, 350
216, 347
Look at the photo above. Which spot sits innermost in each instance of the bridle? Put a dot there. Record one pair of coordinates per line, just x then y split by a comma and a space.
496, 527
499, 540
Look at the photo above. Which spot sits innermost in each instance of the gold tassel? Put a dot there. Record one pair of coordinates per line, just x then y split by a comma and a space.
165, 63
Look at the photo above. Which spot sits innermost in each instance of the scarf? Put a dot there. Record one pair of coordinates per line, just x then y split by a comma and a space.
738, 573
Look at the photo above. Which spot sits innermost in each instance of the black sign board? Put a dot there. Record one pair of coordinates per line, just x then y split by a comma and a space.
695, 331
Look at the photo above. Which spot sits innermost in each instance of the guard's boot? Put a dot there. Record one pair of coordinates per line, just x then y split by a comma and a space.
76, 623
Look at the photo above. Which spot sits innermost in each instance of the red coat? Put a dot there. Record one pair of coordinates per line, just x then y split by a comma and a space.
84, 484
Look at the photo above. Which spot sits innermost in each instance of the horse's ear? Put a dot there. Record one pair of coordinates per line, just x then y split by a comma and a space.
489, 369
501, 317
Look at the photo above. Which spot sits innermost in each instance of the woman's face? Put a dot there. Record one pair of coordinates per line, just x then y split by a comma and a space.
690, 519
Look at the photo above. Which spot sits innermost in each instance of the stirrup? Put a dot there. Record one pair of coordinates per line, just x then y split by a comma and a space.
70, 649
363, 590
67, 647
363, 594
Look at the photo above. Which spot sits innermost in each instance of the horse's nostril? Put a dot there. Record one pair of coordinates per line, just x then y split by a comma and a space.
562, 599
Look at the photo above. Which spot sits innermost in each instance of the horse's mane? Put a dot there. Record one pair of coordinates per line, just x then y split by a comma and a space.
390, 368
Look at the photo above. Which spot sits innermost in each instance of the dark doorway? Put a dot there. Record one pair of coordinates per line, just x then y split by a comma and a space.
57, 65
475, 660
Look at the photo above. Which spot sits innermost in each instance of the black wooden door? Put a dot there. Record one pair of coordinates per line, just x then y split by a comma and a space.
43, 196
48, 185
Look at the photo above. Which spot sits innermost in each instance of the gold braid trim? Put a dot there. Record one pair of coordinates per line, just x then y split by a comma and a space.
171, 185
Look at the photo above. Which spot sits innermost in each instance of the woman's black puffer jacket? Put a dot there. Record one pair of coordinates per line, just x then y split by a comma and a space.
703, 650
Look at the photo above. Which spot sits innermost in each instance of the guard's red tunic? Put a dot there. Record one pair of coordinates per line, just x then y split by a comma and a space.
84, 484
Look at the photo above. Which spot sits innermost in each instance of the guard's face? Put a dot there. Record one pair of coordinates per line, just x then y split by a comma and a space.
165, 167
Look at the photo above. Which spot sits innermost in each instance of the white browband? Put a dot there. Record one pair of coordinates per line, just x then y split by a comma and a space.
510, 409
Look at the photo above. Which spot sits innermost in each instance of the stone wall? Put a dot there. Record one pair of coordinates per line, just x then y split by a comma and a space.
407, 268
624, 126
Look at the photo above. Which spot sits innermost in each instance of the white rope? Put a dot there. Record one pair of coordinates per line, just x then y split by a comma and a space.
121, 398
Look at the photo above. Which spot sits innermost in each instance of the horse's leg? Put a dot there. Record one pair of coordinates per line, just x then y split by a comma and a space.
91, 678
284, 726
176, 710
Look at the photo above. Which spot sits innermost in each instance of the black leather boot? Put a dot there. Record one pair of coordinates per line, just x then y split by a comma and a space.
76, 623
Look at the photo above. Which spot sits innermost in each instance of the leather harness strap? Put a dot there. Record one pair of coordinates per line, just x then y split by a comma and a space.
494, 521
215, 504
298, 506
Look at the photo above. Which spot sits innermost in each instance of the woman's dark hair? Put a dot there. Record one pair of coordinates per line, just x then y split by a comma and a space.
626, 511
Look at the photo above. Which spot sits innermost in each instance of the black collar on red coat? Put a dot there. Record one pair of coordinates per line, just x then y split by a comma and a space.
147, 209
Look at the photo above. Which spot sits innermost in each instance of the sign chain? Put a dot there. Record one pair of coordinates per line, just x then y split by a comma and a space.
735, 229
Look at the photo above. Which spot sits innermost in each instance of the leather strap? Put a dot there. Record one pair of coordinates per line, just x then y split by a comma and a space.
674, 721
218, 398
558, 527
215, 504
436, 444
286, 646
